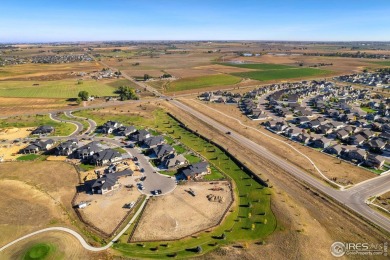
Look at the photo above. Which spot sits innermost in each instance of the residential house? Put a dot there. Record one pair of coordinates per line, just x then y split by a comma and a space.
342, 134
336, 149
374, 160
322, 142
106, 156
66, 148
125, 130
44, 129
139, 136
162, 150
153, 141
88, 150
38, 146
196, 170
376, 145
108, 182
357, 155
173, 160
356, 139
110, 126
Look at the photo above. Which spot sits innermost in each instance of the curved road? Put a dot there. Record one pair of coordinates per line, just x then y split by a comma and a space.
78, 236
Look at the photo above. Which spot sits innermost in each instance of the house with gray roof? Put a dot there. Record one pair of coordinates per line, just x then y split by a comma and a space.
162, 150
173, 160
153, 141
66, 148
106, 156
125, 130
140, 135
44, 129
88, 150
196, 170
38, 146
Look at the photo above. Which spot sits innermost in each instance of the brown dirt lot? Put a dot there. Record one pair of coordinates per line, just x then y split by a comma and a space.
14, 133
10, 151
106, 211
179, 214
331, 167
307, 223
11, 106
45, 188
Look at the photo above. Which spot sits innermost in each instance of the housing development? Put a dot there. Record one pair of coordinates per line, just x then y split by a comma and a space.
119, 142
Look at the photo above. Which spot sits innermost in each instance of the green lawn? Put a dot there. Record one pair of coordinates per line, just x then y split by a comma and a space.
258, 66
101, 118
282, 74
368, 110
82, 121
28, 157
192, 158
39, 251
179, 149
55, 88
61, 129
202, 82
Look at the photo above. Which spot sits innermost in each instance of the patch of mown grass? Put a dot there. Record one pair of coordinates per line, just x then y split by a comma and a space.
192, 158
39, 251
179, 149
282, 74
61, 129
86, 167
202, 82
28, 157
84, 122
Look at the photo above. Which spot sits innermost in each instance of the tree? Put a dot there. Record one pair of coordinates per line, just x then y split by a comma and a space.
146, 77
78, 101
126, 93
84, 95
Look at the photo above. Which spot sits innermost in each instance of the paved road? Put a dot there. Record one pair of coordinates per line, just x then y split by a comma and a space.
353, 198
92, 124
78, 236
79, 126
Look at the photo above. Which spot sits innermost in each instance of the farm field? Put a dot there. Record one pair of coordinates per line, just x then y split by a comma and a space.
12, 106
276, 74
259, 66
34, 71
55, 89
202, 82
61, 129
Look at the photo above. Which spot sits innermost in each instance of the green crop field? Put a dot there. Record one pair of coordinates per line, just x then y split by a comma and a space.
202, 82
282, 74
258, 66
251, 218
55, 88
383, 63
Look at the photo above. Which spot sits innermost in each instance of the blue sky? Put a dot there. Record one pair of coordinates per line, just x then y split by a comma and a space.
87, 20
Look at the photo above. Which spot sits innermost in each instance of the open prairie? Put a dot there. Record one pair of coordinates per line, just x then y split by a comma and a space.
35, 195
